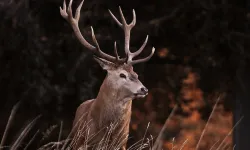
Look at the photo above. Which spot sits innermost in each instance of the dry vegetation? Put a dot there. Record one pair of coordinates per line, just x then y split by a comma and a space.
193, 133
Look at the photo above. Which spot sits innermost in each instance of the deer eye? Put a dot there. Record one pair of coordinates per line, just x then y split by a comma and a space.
123, 75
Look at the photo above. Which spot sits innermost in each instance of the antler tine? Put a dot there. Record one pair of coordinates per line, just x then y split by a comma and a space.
140, 49
94, 39
127, 28
66, 13
123, 19
144, 59
116, 52
78, 11
116, 20
134, 19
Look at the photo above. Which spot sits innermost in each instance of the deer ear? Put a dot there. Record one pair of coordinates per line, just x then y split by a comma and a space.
106, 65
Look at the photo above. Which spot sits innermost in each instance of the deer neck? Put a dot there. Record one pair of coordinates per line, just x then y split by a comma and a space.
111, 104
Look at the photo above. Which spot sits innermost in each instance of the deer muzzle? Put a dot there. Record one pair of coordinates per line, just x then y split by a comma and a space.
142, 92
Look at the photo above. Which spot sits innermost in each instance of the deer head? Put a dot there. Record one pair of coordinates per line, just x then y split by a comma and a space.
120, 76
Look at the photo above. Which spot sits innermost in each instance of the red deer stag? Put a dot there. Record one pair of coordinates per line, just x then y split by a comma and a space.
112, 106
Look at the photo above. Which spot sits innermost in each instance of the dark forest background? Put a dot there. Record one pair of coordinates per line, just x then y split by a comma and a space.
200, 47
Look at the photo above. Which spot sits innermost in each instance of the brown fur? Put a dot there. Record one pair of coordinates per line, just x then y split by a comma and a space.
107, 108
113, 104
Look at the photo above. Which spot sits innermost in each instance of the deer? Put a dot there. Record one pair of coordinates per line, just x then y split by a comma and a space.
113, 103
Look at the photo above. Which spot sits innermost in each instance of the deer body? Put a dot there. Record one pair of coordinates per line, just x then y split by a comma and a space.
96, 126
104, 121
106, 109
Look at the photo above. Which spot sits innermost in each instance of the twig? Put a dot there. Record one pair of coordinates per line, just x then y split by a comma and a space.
24, 133
230, 132
32, 139
157, 142
71, 132
214, 145
157, 21
144, 136
13, 112
203, 132
135, 145
60, 134
184, 143
52, 144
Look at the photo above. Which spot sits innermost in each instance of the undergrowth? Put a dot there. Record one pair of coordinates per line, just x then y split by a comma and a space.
151, 143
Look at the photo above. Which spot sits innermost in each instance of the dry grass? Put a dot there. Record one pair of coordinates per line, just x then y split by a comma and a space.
104, 143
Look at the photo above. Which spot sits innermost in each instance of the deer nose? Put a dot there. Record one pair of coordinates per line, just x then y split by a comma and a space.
144, 90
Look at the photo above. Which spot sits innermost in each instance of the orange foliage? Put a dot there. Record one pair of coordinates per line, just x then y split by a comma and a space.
163, 52
186, 129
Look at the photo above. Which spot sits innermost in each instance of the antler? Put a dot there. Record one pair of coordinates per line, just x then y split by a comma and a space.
127, 29
66, 13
